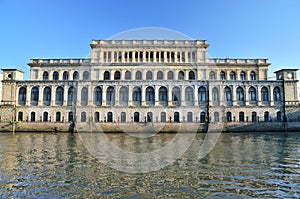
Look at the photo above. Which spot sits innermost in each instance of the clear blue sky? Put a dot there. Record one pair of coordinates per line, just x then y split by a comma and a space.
233, 28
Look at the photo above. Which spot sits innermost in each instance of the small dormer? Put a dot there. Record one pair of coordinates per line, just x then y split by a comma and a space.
286, 74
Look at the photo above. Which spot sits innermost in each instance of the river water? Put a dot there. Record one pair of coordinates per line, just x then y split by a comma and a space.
246, 165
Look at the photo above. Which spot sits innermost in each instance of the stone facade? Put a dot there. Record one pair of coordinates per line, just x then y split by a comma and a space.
149, 81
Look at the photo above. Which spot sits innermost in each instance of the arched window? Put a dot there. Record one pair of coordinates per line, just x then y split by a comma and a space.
163, 117
55, 75
136, 117
109, 117
45, 116
106, 75
98, 96
170, 75
128, 75
232, 75
149, 117
264, 94
228, 117
212, 75
252, 94
83, 117
66, 75
117, 75
97, 117
252, 75
22, 96
266, 116
149, 75
254, 116
242, 75
57, 116
72, 96
216, 117
32, 116
276, 94
84, 96
160, 75
163, 96
202, 117
138, 75
241, 116
59, 96
47, 96
189, 96
240, 94
137, 96
123, 117
181, 75
222, 75
45, 75
191, 75
150, 95
71, 116
215, 96
176, 117
189, 117
20, 116
75, 75
123, 96
202, 94
86, 75
34, 96
110, 96
228, 94
279, 116
176, 96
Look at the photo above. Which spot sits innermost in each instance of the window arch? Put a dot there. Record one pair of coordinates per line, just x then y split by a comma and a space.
232, 75
98, 96
241, 116
252, 75
106, 75
150, 95
123, 96
57, 116
123, 117
149, 75
71, 116
202, 117
34, 96
202, 94
215, 96
189, 96
75, 75
137, 96
176, 96
117, 75
97, 117
138, 75
212, 75
22, 96
243, 76
176, 117
163, 117
149, 117
109, 117
86, 75
20, 116
45, 75
264, 94
66, 75
84, 96
228, 117
32, 117
160, 75
55, 75
128, 75
191, 75
181, 75
72, 96
59, 96
222, 75
266, 116
216, 117
277, 94
45, 116
83, 117
240, 94
252, 94
170, 75
47, 96
189, 117
163, 96
136, 117
228, 94
254, 116
110, 96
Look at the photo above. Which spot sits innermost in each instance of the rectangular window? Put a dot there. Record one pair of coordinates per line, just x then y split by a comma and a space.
36, 74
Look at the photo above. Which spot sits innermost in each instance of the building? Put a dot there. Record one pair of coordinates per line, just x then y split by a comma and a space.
149, 81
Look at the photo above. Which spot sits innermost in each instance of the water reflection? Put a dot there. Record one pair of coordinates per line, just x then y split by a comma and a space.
241, 165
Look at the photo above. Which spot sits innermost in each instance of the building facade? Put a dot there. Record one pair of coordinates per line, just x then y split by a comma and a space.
150, 81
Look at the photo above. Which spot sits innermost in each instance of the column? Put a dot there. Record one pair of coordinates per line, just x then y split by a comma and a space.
40, 100
234, 99
104, 88
165, 56
90, 93
123, 57
53, 95
117, 95
221, 96
156, 95
182, 88
133, 57
170, 96
143, 90
247, 95
130, 89
258, 89
65, 95
196, 95
154, 56
144, 56
271, 95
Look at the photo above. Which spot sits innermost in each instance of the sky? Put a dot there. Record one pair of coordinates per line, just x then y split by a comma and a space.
233, 28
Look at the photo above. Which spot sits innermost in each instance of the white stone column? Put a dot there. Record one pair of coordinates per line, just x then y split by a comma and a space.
53, 88
271, 95
123, 56
144, 56
247, 95
156, 94
258, 90
104, 89
117, 94
65, 95
90, 93
143, 90
130, 90
40, 100
182, 88
196, 95
133, 57
170, 96
221, 95
165, 56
